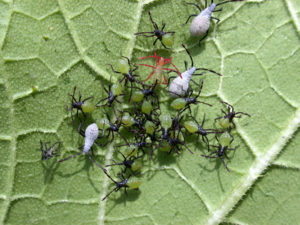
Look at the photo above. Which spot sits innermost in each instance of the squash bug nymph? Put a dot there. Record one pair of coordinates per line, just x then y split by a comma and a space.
194, 127
132, 184
226, 120
128, 162
169, 140
114, 127
128, 73
80, 105
201, 23
180, 86
165, 38
225, 140
91, 134
48, 153
113, 92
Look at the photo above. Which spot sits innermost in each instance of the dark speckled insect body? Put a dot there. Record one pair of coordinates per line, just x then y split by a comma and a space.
48, 153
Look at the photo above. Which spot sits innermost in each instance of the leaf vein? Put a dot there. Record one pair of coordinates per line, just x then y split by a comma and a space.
257, 168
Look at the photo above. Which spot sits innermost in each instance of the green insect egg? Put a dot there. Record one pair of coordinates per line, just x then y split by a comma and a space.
178, 104
134, 183
127, 121
146, 107
224, 123
168, 40
136, 165
123, 66
117, 89
191, 126
225, 139
166, 120
150, 127
88, 107
137, 96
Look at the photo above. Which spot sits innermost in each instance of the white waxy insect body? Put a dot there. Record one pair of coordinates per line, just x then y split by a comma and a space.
201, 23
179, 86
91, 134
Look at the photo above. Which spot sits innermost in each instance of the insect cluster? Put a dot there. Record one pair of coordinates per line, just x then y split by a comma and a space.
131, 110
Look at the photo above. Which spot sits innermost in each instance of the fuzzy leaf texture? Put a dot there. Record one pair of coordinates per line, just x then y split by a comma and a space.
55, 45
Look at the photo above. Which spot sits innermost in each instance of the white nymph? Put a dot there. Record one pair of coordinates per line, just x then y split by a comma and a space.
201, 23
91, 134
180, 86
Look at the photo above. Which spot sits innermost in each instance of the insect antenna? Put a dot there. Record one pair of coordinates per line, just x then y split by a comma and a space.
126, 59
194, 4
212, 71
221, 3
112, 68
153, 23
187, 51
243, 113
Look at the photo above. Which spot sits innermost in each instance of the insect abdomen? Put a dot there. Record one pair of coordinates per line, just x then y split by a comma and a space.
87, 146
179, 86
201, 23
91, 134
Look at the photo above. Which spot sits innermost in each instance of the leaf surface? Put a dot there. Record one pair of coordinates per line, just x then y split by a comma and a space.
55, 45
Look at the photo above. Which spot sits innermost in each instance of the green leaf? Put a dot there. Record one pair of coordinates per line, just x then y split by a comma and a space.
51, 46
